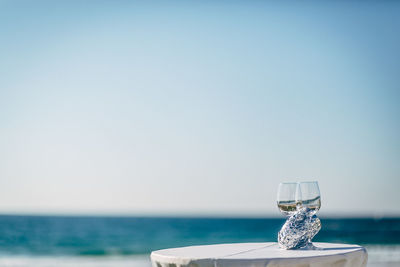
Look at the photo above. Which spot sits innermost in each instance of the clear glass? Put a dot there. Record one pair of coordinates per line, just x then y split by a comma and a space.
292, 196
287, 198
310, 197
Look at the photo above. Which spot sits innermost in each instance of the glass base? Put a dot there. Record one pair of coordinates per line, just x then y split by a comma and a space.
310, 246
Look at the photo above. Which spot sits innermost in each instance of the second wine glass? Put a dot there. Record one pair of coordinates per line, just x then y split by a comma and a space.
309, 195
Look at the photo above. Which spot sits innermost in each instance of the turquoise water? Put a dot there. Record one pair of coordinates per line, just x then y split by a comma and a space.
112, 241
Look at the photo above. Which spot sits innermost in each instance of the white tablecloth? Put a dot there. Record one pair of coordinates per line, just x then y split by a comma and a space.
260, 255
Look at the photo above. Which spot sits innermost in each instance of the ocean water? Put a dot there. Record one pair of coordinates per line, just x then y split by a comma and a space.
127, 241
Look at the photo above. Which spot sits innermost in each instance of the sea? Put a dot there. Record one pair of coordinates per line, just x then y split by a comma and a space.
127, 241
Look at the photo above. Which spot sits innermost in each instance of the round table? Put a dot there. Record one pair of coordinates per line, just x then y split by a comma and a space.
260, 255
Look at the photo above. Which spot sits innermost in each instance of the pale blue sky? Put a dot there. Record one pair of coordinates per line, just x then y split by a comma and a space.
189, 107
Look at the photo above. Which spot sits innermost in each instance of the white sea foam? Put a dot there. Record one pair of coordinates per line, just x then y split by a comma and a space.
64, 261
383, 255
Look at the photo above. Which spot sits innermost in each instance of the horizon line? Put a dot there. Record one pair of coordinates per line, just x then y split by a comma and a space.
343, 215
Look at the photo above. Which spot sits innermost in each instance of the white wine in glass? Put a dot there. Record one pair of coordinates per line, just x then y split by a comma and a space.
309, 195
287, 198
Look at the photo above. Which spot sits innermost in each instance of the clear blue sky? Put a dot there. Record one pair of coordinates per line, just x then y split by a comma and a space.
195, 107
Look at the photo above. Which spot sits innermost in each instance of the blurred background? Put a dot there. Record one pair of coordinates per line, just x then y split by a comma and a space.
130, 126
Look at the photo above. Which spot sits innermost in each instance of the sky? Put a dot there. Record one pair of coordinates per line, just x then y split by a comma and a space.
198, 108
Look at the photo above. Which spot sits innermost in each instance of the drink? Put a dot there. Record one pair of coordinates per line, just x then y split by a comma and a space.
287, 207
286, 199
312, 204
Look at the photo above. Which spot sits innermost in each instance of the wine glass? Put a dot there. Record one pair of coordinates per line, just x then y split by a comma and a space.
287, 198
310, 197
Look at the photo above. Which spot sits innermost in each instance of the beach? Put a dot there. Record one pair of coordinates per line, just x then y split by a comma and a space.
133, 126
